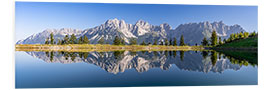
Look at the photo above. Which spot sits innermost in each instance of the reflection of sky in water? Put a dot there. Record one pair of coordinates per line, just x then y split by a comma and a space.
34, 72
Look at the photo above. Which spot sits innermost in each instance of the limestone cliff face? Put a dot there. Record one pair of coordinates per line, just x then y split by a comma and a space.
194, 32
141, 30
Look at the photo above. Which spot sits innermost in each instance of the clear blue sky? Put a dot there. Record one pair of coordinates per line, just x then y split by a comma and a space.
34, 17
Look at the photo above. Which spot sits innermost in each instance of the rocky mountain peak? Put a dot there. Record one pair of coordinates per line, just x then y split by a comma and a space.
115, 24
142, 23
166, 26
112, 23
62, 31
142, 30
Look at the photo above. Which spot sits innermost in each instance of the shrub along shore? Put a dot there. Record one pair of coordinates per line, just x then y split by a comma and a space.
100, 48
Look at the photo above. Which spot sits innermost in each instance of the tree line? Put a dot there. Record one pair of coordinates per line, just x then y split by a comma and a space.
117, 41
67, 40
215, 40
165, 42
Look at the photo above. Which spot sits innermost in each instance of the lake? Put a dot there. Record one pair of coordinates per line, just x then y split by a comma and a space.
126, 69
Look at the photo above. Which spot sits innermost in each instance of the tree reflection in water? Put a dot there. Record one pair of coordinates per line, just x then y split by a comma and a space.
143, 60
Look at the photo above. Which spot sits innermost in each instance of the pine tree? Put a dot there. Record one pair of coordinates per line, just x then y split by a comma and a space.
204, 42
213, 57
133, 41
224, 40
166, 42
116, 41
214, 38
66, 40
236, 36
51, 39
47, 41
219, 41
73, 39
155, 42
59, 41
101, 41
143, 43
62, 42
171, 42
241, 35
182, 54
182, 43
85, 40
161, 43
80, 41
174, 42
252, 34
122, 42
231, 38
246, 34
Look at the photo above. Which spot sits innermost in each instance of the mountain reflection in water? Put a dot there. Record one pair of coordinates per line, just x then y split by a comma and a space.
142, 61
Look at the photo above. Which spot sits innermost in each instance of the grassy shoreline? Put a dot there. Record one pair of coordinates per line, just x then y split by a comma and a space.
247, 44
100, 48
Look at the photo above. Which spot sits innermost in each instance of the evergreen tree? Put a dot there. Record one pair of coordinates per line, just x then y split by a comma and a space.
231, 37
252, 34
219, 41
204, 42
214, 38
133, 41
174, 42
66, 40
101, 41
182, 53
171, 42
155, 42
246, 34
117, 40
47, 41
62, 42
224, 41
85, 40
182, 43
236, 36
73, 39
213, 57
161, 43
122, 42
59, 41
204, 54
241, 35
166, 42
51, 39
80, 41
143, 43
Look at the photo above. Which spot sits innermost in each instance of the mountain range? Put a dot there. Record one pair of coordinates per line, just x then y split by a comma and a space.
143, 31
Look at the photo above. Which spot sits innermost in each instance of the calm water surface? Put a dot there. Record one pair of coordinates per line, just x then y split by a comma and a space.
124, 68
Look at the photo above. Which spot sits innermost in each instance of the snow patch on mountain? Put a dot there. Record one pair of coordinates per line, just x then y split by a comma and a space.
143, 31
